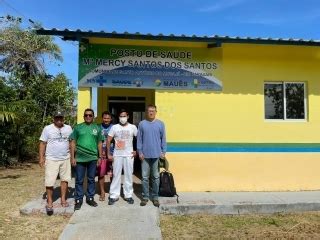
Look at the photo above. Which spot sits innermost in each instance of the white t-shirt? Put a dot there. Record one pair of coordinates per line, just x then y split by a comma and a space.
123, 136
57, 140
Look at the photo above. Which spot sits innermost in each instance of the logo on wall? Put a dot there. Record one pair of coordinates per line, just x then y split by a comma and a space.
138, 82
157, 82
195, 83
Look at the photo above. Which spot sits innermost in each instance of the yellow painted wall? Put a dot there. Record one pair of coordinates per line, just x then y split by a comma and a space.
237, 113
147, 43
245, 171
84, 101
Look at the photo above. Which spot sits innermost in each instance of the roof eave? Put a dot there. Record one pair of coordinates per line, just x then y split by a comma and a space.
213, 41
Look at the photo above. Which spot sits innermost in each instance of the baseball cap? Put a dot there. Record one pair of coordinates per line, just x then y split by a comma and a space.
58, 114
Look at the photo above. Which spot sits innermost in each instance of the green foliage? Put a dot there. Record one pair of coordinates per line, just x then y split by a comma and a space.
28, 96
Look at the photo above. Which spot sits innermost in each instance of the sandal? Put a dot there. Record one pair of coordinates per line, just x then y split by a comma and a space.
49, 210
64, 204
102, 198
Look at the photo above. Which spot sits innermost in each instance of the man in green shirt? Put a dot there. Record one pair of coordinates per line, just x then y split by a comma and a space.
86, 150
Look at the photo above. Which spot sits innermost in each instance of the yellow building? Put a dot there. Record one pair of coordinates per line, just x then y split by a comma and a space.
241, 114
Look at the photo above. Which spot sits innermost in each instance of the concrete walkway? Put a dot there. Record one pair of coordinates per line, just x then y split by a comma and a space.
241, 202
119, 221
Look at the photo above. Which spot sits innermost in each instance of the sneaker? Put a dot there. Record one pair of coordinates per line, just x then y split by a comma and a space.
49, 210
143, 202
156, 203
112, 200
91, 202
129, 200
77, 205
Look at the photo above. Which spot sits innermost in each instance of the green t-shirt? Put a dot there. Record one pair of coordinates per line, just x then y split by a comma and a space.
87, 137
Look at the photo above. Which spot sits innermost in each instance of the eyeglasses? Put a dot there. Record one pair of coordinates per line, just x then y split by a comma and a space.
88, 115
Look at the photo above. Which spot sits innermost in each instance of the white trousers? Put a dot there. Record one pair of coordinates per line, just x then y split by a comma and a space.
127, 164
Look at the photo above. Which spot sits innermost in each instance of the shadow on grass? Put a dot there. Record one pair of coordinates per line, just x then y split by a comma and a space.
11, 177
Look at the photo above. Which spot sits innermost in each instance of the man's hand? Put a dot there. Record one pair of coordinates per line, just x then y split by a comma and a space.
99, 162
110, 158
141, 156
42, 162
134, 154
162, 155
73, 162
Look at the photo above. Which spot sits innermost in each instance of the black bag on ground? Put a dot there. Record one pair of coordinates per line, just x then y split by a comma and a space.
167, 187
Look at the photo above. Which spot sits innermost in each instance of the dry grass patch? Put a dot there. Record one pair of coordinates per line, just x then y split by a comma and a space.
18, 186
276, 226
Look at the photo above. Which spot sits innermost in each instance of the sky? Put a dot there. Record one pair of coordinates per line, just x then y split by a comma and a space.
253, 18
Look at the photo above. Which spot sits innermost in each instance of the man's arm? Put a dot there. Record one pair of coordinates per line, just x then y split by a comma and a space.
134, 140
139, 142
100, 152
163, 141
42, 150
108, 147
72, 151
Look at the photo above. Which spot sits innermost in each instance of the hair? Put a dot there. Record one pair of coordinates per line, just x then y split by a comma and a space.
122, 111
89, 110
106, 113
151, 106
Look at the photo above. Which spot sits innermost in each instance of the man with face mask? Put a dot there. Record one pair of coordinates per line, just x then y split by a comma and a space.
123, 157
54, 155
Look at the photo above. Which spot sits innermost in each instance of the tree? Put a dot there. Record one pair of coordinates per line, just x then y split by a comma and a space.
28, 95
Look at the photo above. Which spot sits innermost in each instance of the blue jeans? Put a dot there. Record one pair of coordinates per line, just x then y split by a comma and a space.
81, 169
149, 168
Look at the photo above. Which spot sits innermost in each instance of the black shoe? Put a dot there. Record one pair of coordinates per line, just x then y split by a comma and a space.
77, 205
129, 200
49, 210
156, 203
91, 202
112, 200
143, 202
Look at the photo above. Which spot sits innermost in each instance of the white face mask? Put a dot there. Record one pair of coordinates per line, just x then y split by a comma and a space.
123, 120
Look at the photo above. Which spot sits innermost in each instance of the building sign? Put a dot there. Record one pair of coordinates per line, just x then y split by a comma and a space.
119, 66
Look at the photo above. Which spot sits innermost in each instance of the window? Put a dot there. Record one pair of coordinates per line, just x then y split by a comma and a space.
284, 100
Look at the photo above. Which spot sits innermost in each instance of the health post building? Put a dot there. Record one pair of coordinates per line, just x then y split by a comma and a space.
241, 114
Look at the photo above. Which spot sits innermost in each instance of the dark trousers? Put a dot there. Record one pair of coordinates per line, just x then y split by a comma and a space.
81, 169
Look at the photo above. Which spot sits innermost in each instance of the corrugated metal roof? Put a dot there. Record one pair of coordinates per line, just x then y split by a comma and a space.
78, 35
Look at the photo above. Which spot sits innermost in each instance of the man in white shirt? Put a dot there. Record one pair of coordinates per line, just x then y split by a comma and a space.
123, 157
54, 154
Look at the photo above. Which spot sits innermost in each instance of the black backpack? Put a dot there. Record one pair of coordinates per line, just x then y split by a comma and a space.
167, 188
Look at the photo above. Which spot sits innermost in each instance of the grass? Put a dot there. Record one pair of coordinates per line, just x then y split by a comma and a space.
24, 183
276, 226
18, 186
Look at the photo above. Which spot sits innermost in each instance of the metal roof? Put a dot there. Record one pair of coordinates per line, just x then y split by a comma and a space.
214, 40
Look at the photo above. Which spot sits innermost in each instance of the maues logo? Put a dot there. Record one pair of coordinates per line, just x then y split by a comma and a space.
121, 82
175, 83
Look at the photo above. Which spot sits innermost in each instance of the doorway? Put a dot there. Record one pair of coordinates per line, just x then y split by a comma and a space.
135, 106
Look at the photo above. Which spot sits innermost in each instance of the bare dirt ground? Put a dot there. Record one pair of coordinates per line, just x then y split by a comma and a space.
18, 186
